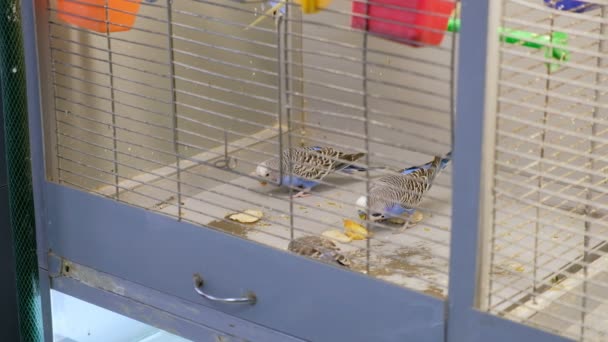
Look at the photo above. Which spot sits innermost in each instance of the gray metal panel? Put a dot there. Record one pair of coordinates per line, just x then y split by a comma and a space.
496, 329
159, 309
297, 296
465, 323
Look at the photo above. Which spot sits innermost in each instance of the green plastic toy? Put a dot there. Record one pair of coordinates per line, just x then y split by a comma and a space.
547, 42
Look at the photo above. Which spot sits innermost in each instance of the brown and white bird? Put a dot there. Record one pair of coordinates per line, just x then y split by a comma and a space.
394, 195
309, 164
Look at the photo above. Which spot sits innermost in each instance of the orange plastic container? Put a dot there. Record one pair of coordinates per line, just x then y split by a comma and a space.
412, 22
91, 14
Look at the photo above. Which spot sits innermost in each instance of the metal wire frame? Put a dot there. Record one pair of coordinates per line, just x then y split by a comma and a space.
219, 114
80, 117
167, 140
185, 131
183, 156
187, 196
567, 192
135, 144
374, 122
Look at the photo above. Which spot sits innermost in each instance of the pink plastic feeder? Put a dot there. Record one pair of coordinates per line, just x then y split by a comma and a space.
411, 22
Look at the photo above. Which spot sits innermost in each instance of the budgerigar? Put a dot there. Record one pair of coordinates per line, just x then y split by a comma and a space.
394, 195
319, 248
309, 164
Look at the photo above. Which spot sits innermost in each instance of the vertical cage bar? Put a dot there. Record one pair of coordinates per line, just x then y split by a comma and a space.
296, 69
171, 56
112, 101
56, 169
284, 38
281, 93
364, 89
453, 74
540, 183
589, 195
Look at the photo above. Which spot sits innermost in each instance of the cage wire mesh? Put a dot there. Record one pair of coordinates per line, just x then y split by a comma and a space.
548, 234
176, 113
18, 174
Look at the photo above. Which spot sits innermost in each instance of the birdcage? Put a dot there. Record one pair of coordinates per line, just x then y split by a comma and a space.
176, 115
546, 224
283, 170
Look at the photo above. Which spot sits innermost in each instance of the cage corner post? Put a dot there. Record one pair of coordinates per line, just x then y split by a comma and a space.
467, 169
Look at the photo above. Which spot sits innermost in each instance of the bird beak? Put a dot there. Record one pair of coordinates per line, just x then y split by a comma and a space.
263, 183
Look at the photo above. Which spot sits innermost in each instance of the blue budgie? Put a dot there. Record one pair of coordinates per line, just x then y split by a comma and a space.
310, 165
394, 195
319, 248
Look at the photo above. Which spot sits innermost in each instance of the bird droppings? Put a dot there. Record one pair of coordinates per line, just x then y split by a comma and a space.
518, 268
405, 262
163, 204
434, 291
500, 270
230, 227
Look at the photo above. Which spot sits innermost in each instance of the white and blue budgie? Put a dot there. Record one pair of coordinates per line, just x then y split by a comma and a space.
309, 164
394, 195
319, 248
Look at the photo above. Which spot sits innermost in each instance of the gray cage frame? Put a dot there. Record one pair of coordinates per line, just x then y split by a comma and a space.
67, 236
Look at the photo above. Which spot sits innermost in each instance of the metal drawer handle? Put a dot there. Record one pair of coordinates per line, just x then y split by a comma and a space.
198, 284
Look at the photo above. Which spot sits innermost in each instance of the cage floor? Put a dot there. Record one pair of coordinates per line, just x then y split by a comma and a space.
560, 309
415, 259
559, 245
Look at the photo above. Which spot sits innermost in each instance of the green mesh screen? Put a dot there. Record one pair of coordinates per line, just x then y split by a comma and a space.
12, 85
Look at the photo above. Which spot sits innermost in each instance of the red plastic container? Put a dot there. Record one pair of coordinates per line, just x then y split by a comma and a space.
412, 22
91, 14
